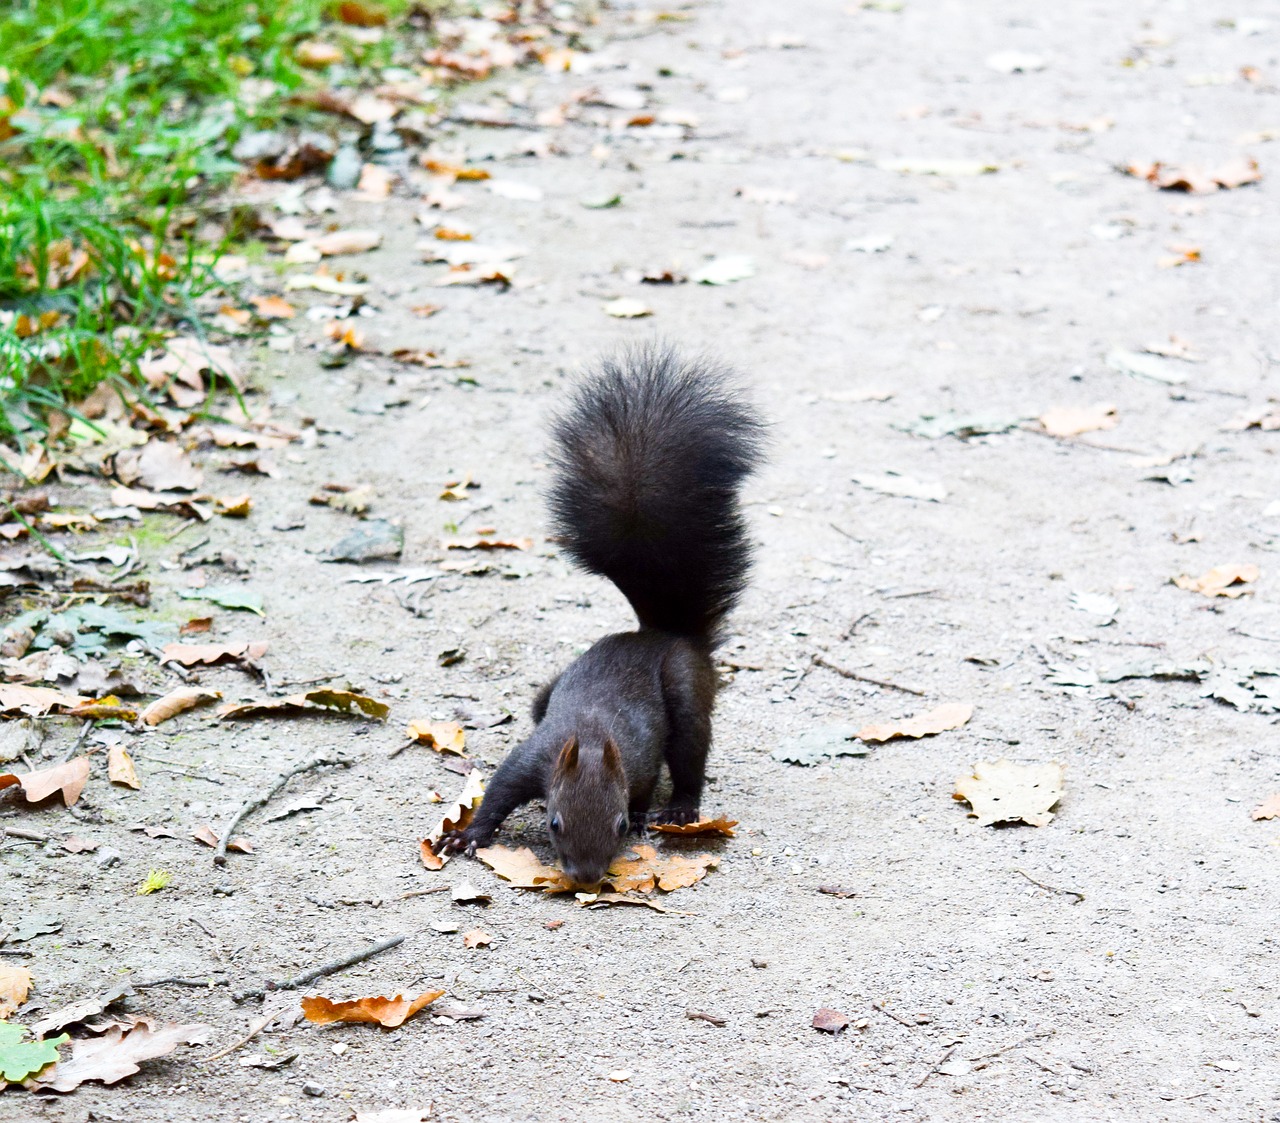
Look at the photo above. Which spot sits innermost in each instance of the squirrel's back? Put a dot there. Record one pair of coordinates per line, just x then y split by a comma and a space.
649, 456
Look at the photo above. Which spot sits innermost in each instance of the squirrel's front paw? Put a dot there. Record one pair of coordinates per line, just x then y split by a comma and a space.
463, 842
678, 815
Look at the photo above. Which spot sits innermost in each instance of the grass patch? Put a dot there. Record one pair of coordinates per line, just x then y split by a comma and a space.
117, 120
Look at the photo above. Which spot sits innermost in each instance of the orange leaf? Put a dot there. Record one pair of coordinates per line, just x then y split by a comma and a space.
15, 982
69, 779
476, 938
705, 827
389, 1012
457, 817
443, 736
1221, 580
175, 702
476, 542
950, 716
120, 768
273, 308
523, 869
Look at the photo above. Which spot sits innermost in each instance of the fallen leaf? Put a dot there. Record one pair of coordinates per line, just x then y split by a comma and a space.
354, 500
227, 596
906, 487
829, 1021
1236, 172
273, 307
159, 465
36, 701
21, 1059
190, 654
1005, 792
74, 844
176, 702
154, 882
951, 716
380, 1010
1068, 421
443, 736
1180, 254
15, 984
1221, 580
68, 779
233, 507
120, 768
373, 541
324, 282
347, 242
375, 183
312, 702
523, 869
425, 310
118, 1053
457, 816
667, 872
722, 828
1267, 809
315, 55
837, 891
724, 270
206, 835
627, 308
816, 745
76, 1012
476, 938
464, 893
1146, 366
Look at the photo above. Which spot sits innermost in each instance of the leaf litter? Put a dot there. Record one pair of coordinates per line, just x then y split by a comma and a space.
939, 720
388, 1012
320, 701
457, 816
1005, 792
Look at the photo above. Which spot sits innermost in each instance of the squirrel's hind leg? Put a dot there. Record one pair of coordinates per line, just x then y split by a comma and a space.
689, 691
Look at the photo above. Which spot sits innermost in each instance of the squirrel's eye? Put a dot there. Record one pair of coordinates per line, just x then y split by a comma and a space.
555, 824
622, 824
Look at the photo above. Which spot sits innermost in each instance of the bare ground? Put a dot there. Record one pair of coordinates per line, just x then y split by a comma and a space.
1155, 997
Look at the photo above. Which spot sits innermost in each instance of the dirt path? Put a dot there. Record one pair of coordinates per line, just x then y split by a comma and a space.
998, 297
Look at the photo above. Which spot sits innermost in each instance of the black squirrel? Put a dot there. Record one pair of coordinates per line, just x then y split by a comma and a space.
647, 460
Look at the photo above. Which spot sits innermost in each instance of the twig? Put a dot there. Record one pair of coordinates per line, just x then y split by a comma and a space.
1011, 1046
181, 530
1053, 888
23, 833
865, 678
314, 973
841, 530
220, 854
255, 1028
424, 892
202, 927
852, 628
399, 749
79, 741
174, 981
936, 1065
703, 1016
894, 1015
533, 984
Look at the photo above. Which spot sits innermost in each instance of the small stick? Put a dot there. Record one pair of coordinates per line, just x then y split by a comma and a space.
703, 1016
181, 530
1007, 1048
314, 973
533, 984
79, 741
23, 833
220, 854
255, 1028
400, 748
852, 628
865, 678
424, 892
1053, 888
202, 927
894, 1015
841, 530
936, 1065
174, 981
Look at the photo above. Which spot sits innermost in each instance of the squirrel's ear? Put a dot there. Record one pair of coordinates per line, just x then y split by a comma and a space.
613, 758
568, 760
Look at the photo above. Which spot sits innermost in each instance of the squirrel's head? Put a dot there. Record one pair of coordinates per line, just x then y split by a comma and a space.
587, 809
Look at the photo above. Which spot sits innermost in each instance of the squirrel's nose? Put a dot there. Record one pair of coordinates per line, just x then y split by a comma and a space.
584, 875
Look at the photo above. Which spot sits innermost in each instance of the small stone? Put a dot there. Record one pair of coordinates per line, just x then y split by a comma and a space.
620, 1075
759, 962
108, 856
344, 169
311, 1088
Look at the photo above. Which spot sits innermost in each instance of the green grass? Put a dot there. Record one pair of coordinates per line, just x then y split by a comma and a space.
117, 118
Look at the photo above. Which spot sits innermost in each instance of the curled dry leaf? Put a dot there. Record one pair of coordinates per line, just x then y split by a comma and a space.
36, 701
158, 465
117, 1053
950, 716
667, 872
456, 817
15, 983
829, 1021
347, 241
67, 779
1233, 173
176, 702
523, 869
120, 769
722, 828
443, 736
380, 1010
191, 654
479, 542
273, 307
476, 938
1268, 809
233, 506
1221, 581
1005, 792
1068, 421
76, 1012
205, 834
310, 702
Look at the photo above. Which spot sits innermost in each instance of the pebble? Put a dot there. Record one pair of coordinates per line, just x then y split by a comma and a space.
107, 857
344, 169
311, 1088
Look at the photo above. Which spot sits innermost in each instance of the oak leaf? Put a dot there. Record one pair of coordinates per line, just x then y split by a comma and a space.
380, 1010
118, 1053
523, 869
479, 542
311, 702
20, 1059
176, 702
443, 736
189, 654
15, 983
1004, 792
68, 779
206, 835
457, 816
668, 872
950, 716
722, 828
1221, 581
35, 701
476, 938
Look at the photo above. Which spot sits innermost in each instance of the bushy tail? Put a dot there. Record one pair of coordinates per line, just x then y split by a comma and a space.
649, 455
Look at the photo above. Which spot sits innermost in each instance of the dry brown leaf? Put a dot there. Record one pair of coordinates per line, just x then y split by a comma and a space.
359, 14
389, 1012
157, 465
603, 900
479, 542
829, 1021
347, 241
668, 872
443, 736
457, 816
425, 310
116, 1054
457, 171
375, 183
233, 506
311, 702
523, 869
120, 769
316, 55
205, 833
176, 702
15, 983
35, 701
1005, 792
68, 779
722, 828
273, 307
951, 716
173, 502
1221, 580
74, 844
189, 654
1070, 421
106, 707
476, 938
1237, 172
1268, 808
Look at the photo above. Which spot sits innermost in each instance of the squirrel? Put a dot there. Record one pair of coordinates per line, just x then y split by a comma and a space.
647, 460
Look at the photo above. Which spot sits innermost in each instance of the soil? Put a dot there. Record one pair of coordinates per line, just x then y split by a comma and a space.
977, 983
